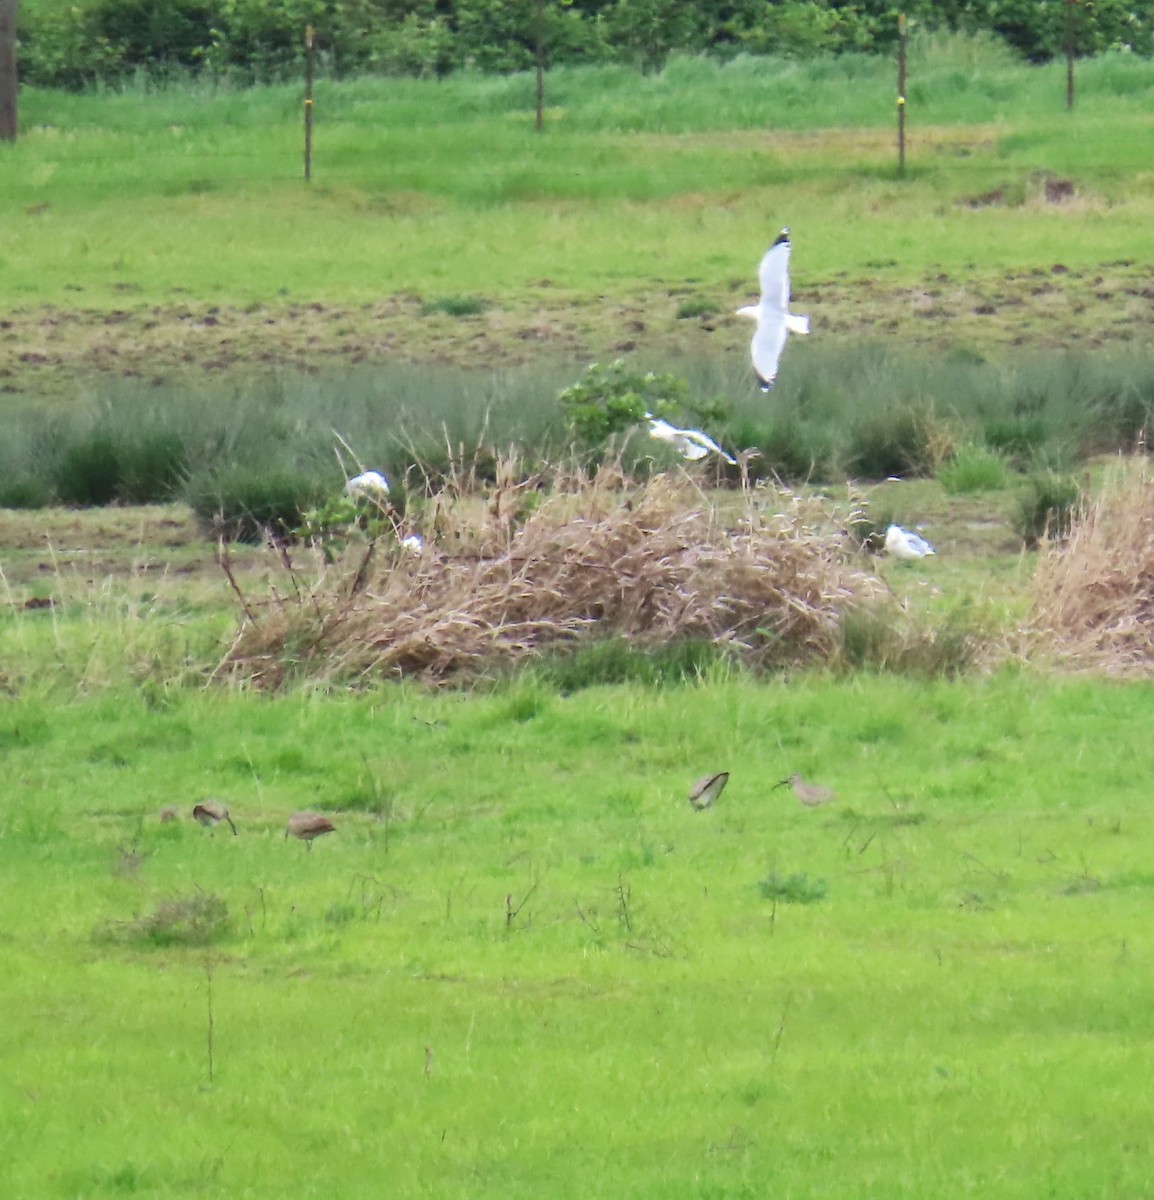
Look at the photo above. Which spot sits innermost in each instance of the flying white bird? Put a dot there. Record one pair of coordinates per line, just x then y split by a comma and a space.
771, 312
369, 483
905, 545
689, 443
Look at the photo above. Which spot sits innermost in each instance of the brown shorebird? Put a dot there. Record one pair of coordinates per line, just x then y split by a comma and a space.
308, 826
211, 813
810, 794
707, 789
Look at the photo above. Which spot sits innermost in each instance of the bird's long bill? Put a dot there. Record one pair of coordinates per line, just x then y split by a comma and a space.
780, 783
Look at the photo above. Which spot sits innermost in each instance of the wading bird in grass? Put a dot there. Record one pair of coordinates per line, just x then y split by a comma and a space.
370, 484
809, 794
210, 813
900, 543
689, 443
771, 312
308, 827
707, 789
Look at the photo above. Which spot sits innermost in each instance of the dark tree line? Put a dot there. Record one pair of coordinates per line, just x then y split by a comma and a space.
90, 41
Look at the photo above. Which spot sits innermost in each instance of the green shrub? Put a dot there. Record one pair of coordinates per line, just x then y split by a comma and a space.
196, 920
973, 469
611, 399
25, 492
793, 889
795, 452
695, 306
1047, 507
897, 442
617, 660
455, 306
152, 469
895, 639
247, 504
1017, 438
90, 473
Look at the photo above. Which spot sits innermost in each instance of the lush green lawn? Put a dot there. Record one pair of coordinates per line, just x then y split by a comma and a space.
537, 971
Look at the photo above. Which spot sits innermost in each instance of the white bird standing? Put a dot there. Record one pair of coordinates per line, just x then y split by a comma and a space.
371, 484
905, 545
689, 443
771, 312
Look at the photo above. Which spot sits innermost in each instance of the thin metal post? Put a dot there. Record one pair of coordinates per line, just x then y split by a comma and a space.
308, 103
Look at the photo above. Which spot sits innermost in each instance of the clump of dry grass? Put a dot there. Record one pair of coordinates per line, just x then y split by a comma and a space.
595, 556
1093, 595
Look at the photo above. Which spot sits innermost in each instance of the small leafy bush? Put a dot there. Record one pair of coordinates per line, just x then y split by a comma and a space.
1018, 438
793, 889
247, 504
795, 452
974, 469
196, 920
152, 469
25, 492
695, 306
90, 473
895, 639
617, 660
455, 306
610, 399
1047, 507
898, 442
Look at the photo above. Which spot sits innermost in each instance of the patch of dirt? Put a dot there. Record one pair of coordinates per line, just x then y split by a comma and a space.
45, 351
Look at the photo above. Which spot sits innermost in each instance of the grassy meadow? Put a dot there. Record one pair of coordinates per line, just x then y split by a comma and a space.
524, 966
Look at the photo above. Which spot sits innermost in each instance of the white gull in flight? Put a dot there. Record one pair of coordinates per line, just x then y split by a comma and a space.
771, 312
689, 443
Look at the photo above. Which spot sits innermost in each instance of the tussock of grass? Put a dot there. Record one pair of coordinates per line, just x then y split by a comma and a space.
651, 563
1093, 598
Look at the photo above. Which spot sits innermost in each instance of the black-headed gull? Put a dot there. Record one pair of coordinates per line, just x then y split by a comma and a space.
771, 312
689, 443
903, 544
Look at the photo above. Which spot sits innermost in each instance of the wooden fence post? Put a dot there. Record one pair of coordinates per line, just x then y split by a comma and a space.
1070, 53
308, 103
540, 65
903, 40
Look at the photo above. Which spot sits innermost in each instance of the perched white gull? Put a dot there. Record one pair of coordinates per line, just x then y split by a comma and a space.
689, 443
771, 312
369, 483
903, 544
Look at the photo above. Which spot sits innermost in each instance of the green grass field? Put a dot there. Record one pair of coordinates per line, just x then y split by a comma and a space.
524, 966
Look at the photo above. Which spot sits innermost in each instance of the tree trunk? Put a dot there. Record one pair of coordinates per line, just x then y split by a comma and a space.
8, 70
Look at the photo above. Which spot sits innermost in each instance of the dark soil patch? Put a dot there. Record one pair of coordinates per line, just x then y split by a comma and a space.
44, 352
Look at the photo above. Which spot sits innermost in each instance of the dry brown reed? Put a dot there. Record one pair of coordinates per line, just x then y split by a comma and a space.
594, 556
1093, 594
